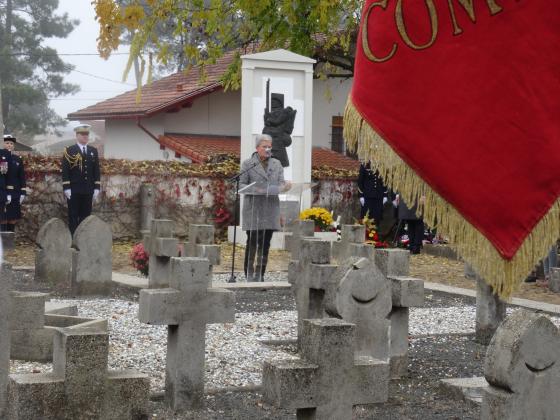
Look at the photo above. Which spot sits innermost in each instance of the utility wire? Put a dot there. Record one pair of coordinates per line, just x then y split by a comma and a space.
22, 54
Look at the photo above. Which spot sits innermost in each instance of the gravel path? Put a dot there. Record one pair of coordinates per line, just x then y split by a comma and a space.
441, 346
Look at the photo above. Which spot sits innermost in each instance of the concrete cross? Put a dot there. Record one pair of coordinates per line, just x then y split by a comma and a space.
309, 275
162, 246
352, 243
80, 385
523, 369
186, 307
201, 243
328, 380
302, 229
360, 294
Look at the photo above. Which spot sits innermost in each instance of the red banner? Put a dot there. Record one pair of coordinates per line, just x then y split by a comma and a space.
467, 94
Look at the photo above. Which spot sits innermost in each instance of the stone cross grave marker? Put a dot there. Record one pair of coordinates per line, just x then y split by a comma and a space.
352, 243
360, 294
201, 243
161, 246
328, 380
80, 386
309, 275
407, 292
53, 256
523, 369
92, 260
5, 310
301, 229
186, 307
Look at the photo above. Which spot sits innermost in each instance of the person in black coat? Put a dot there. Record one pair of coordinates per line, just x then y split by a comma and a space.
17, 190
414, 224
5, 183
80, 177
372, 193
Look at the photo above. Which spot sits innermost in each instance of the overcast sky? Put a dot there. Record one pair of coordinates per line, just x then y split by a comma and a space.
83, 40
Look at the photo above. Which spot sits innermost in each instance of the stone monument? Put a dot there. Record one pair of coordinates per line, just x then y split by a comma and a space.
328, 380
278, 124
201, 243
523, 369
53, 257
80, 386
161, 246
92, 260
186, 307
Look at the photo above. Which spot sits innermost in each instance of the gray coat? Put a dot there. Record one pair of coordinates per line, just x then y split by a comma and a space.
261, 211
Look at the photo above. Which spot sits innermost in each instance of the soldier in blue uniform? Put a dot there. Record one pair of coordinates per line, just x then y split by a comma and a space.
372, 193
80, 177
17, 188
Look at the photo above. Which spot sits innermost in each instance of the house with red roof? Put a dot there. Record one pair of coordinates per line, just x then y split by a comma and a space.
182, 117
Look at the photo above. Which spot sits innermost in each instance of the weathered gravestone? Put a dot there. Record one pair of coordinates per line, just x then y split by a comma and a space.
186, 307
328, 379
161, 246
53, 257
523, 369
32, 329
92, 260
490, 311
407, 292
201, 243
8, 240
352, 243
80, 386
554, 280
360, 294
5, 309
147, 206
312, 275
301, 229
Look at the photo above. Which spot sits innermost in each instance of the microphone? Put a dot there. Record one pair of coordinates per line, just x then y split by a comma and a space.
268, 152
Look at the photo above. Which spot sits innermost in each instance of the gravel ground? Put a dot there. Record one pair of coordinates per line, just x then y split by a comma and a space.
441, 346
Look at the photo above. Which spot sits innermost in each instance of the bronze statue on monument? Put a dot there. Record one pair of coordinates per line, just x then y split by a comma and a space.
278, 124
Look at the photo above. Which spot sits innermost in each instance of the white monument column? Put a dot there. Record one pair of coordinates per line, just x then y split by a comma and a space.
291, 75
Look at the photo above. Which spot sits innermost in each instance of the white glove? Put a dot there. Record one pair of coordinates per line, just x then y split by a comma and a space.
385, 199
68, 194
21, 198
95, 194
396, 201
362, 201
8, 199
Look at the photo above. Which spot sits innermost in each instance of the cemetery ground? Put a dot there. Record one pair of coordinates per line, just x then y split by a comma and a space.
441, 341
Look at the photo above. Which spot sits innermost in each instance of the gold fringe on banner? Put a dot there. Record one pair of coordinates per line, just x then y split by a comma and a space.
503, 275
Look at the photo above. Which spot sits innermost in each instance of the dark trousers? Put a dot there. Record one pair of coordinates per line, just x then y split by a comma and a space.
415, 235
79, 207
258, 245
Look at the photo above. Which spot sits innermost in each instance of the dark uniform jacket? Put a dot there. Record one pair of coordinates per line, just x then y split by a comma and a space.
5, 178
17, 177
370, 184
80, 174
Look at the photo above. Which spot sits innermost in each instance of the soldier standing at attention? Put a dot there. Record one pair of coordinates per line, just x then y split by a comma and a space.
372, 193
80, 177
5, 183
17, 190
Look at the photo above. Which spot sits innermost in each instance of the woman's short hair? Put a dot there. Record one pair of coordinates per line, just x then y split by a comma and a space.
262, 138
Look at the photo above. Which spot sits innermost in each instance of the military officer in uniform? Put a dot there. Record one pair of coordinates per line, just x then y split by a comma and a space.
80, 177
17, 189
372, 193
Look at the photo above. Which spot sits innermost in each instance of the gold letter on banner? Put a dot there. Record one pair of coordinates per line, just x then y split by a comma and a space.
402, 28
469, 8
494, 7
365, 41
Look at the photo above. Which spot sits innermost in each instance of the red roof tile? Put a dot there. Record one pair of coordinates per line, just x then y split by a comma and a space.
169, 92
201, 148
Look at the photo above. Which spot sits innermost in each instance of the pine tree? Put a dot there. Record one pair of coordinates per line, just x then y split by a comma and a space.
31, 72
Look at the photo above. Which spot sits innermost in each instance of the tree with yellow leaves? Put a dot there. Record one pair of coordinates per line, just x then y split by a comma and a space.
205, 29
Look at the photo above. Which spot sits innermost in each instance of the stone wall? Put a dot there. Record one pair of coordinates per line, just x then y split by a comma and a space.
184, 199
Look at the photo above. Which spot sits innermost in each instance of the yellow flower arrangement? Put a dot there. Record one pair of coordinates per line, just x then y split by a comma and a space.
322, 217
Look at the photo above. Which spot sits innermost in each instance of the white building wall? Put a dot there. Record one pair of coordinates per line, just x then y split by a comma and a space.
125, 140
324, 109
218, 114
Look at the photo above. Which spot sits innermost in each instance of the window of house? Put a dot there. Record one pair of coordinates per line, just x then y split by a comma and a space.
337, 140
